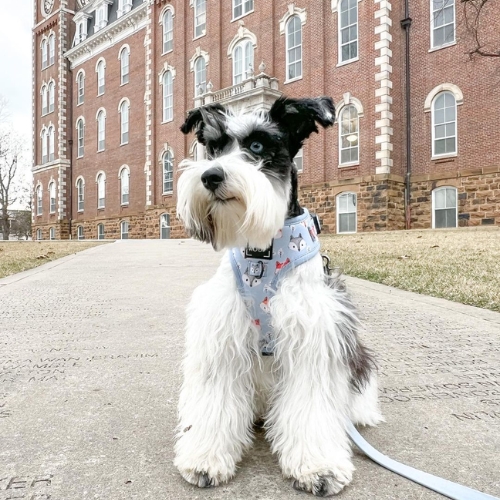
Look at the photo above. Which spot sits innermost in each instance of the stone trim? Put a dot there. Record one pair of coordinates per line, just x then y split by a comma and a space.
198, 53
292, 11
242, 34
444, 87
148, 103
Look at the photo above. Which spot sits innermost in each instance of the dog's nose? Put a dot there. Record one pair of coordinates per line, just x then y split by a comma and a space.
212, 177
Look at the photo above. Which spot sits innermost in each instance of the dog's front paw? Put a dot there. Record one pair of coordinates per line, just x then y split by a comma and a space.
201, 479
323, 485
207, 475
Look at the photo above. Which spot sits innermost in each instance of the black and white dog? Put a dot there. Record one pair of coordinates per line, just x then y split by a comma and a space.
244, 197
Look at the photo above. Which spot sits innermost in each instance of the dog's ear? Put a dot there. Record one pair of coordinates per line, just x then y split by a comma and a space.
209, 122
299, 117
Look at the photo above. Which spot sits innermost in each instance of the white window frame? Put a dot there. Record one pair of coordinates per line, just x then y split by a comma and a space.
80, 192
247, 7
444, 188
295, 18
168, 96
101, 190
80, 86
200, 83
300, 164
52, 142
45, 145
165, 224
52, 197
45, 53
167, 23
101, 130
101, 15
39, 234
342, 61
434, 125
124, 111
81, 30
246, 49
52, 49
80, 233
124, 229
45, 99
124, 57
434, 13
52, 233
124, 177
339, 213
124, 7
346, 108
167, 174
100, 234
200, 18
80, 137
39, 200
101, 76
51, 89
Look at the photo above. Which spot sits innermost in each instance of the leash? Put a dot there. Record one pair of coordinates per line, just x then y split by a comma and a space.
447, 488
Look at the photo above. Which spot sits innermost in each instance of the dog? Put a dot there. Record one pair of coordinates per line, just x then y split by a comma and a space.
290, 356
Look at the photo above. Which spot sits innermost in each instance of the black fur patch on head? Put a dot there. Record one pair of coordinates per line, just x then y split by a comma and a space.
209, 122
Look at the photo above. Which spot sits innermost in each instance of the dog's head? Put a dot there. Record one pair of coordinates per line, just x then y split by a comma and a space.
243, 192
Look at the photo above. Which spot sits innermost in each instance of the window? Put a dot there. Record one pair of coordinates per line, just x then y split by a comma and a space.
124, 64
52, 140
294, 48
168, 97
444, 124
348, 30
52, 49
80, 130
38, 234
168, 173
124, 115
346, 213
52, 96
198, 150
81, 31
442, 22
80, 234
80, 188
444, 207
101, 81
349, 136
45, 54
200, 17
39, 201
165, 226
299, 160
52, 233
124, 6
242, 61
45, 140
101, 17
124, 230
101, 130
80, 82
241, 7
124, 186
45, 100
101, 191
100, 231
168, 31
52, 197
200, 76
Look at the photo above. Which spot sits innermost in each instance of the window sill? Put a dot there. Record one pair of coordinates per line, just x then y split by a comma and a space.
124, 205
242, 15
79, 103
167, 52
126, 83
296, 79
167, 193
167, 121
123, 143
444, 157
78, 157
346, 232
200, 36
444, 46
80, 211
101, 150
99, 95
101, 208
344, 63
347, 165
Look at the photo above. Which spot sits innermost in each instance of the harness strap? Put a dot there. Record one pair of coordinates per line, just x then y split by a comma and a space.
447, 488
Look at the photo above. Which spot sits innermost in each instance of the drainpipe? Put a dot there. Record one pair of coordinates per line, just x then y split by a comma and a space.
405, 24
69, 185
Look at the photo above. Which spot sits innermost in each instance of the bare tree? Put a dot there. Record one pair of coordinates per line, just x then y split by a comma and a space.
479, 17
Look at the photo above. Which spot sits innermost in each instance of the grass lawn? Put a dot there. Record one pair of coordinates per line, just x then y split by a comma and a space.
462, 265
17, 256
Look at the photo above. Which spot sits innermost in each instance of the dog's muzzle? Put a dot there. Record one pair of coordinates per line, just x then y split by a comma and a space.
213, 177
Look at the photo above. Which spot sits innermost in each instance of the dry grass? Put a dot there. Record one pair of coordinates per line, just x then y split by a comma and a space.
462, 265
17, 256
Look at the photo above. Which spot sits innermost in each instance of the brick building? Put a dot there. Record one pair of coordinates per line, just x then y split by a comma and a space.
113, 80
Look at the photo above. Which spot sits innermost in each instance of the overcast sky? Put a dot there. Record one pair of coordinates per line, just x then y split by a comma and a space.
15, 61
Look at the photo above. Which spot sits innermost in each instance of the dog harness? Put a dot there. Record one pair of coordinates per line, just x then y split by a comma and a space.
258, 273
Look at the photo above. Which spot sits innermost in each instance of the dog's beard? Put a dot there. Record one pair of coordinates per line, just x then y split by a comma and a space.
247, 209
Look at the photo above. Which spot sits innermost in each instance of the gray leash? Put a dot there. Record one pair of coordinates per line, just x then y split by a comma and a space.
443, 486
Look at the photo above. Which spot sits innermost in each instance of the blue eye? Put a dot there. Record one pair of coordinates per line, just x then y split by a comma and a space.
256, 147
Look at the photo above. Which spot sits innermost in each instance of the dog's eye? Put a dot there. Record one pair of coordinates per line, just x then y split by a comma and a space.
256, 147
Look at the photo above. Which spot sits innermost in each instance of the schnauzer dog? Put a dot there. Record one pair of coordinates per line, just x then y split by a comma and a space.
271, 336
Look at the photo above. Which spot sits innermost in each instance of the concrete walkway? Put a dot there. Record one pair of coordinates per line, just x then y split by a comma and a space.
90, 349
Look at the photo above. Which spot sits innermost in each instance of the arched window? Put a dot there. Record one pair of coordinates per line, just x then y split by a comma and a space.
168, 97
80, 82
198, 150
101, 130
442, 22
200, 17
52, 233
101, 191
45, 140
80, 130
299, 160
168, 173
444, 207
39, 200
124, 117
45, 54
80, 234
200, 76
101, 78
124, 185
444, 124
124, 230
100, 231
242, 61
80, 189
348, 30
349, 135
52, 96
346, 213
52, 140
45, 100
165, 226
52, 197
38, 234
52, 49
294, 48
168, 31
124, 64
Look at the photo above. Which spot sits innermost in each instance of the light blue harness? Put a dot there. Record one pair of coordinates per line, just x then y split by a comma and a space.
258, 273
